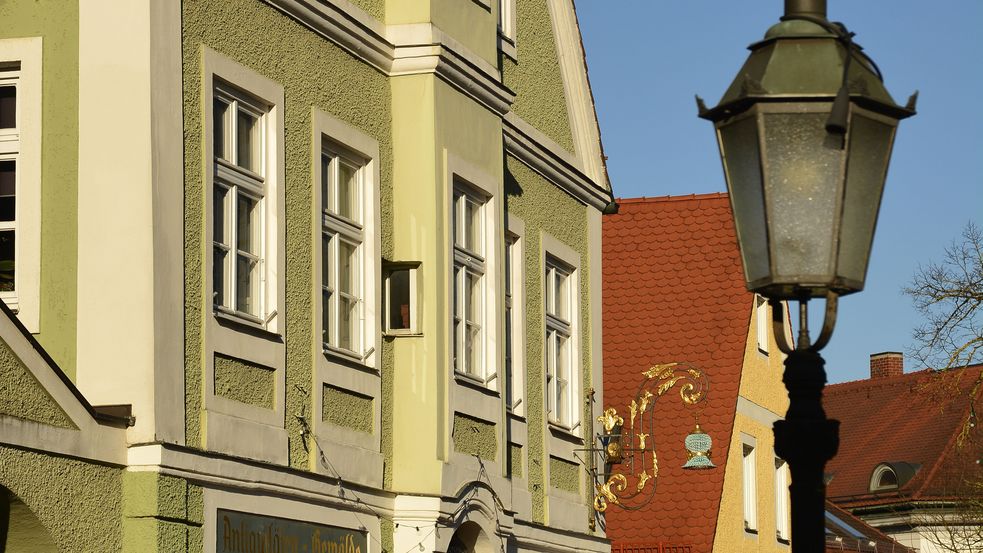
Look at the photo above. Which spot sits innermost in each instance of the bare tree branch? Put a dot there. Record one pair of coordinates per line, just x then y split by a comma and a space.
949, 295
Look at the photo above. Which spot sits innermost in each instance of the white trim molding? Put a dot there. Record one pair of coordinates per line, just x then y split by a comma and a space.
542, 155
355, 455
261, 344
580, 100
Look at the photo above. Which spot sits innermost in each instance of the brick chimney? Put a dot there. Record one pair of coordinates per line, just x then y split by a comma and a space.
886, 364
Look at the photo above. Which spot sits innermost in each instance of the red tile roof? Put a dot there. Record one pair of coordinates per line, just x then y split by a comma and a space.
674, 291
914, 418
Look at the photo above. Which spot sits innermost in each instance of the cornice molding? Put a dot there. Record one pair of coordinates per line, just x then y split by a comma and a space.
396, 50
542, 155
415, 49
345, 24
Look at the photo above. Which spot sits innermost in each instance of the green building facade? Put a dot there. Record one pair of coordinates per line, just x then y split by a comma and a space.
297, 275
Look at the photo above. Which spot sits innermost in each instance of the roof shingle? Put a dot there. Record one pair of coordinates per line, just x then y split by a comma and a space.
673, 290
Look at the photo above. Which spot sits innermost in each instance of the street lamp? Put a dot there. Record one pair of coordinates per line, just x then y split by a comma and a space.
805, 134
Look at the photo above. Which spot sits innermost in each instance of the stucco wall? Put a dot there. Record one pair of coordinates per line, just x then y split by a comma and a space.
314, 73
536, 79
58, 25
544, 207
344, 408
78, 503
21, 395
375, 8
474, 437
244, 382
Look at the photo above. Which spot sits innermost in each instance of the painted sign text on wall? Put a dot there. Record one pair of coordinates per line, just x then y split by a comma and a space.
248, 533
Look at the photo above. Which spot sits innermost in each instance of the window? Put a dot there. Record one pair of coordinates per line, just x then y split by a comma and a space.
559, 343
762, 316
469, 284
239, 219
506, 19
20, 178
781, 500
399, 291
342, 252
883, 478
514, 335
750, 490
9, 150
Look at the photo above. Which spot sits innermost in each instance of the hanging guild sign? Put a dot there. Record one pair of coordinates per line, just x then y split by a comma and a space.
248, 533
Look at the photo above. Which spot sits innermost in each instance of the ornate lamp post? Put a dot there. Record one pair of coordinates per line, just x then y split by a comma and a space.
805, 134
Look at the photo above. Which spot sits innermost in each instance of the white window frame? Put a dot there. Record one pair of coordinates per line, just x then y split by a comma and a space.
506, 27
762, 312
230, 333
227, 80
782, 506
21, 65
515, 320
750, 483
412, 269
336, 230
470, 263
558, 259
242, 182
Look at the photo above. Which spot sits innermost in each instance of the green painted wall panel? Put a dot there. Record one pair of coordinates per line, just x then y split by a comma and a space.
564, 475
540, 98
244, 382
474, 437
314, 73
22, 396
63, 493
515, 460
347, 409
58, 25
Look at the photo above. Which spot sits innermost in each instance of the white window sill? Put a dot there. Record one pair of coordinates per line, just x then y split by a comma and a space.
565, 432
245, 322
474, 382
348, 358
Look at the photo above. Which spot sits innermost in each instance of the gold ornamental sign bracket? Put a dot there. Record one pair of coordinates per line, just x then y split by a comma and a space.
626, 445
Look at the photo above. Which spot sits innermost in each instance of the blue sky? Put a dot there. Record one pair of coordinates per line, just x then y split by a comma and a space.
647, 58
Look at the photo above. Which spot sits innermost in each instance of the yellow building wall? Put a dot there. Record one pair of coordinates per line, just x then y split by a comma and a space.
762, 400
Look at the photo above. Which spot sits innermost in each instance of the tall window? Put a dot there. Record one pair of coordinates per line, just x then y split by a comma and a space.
781, 500
342, 239
763, 318
10, 147
469, 284
240, 188
513, 338
506, 19
750, 490
559, 343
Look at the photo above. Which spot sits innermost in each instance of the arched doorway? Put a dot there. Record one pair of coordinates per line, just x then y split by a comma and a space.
20, 529
469, 538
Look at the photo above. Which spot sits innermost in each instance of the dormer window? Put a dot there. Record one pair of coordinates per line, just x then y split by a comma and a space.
892, 475
884, 478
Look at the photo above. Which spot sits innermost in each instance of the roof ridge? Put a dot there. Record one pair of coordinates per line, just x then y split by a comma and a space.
876, 382
668, 198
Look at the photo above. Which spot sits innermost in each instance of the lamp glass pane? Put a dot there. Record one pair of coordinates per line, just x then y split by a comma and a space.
870, 150
742, 166
802, 183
